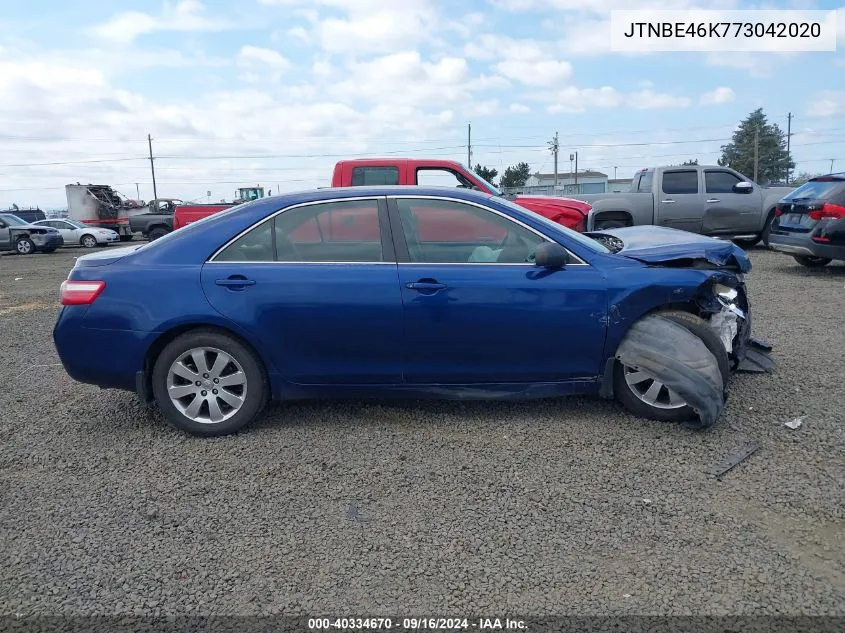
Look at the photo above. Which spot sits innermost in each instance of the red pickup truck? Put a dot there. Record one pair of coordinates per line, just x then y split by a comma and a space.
413, 171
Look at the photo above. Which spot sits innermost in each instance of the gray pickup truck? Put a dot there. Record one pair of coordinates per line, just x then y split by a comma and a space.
706, 199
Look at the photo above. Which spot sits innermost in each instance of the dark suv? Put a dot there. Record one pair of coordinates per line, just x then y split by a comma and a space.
809, 223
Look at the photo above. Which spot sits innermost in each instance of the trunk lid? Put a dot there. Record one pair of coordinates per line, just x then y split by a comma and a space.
105, 257
664, 246
793, 215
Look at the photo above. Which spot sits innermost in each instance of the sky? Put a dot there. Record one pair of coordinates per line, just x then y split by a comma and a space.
274, 92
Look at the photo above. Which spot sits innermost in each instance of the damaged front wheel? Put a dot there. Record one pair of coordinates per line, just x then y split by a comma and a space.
645, 394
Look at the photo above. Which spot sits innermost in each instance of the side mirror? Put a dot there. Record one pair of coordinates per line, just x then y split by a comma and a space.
743, 187
551, 255
3, 225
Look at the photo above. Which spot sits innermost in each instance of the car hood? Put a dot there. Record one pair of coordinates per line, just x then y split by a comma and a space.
660, 245
30, 227
552, 201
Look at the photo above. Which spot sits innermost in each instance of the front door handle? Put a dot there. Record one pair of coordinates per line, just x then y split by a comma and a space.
425, 285
713, 200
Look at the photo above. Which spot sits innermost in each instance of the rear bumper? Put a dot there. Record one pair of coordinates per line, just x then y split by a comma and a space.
106, 358
802, 244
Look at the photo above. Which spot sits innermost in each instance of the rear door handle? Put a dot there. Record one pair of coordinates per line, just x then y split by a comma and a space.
667, 202
713, 200
424, 285
235, 282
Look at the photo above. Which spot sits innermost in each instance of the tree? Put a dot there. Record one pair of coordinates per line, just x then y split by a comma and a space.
515, 176
799, 179
690, 162
773, 161
488, 173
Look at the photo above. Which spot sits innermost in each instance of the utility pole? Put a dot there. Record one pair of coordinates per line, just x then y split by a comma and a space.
614, 172
756, 151
152, 166
469, 145
788, 139
137, 191
576, 172
831, 165
553, 146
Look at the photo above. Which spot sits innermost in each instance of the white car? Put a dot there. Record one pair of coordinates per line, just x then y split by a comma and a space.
75, 233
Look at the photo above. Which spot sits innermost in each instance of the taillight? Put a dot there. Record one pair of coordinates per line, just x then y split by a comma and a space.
778, 212
80, 293
828, 210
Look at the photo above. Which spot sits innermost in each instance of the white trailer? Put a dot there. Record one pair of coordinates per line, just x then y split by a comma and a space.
102, 206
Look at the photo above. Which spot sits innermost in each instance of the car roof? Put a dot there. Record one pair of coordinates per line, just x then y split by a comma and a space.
828, 177
339, 193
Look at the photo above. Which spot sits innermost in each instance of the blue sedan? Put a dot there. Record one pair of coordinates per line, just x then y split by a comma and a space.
410, 292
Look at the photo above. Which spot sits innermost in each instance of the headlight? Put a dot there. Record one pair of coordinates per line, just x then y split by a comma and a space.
726, 296
725, 292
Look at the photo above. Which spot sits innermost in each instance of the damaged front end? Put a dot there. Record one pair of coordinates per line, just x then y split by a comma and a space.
723, 303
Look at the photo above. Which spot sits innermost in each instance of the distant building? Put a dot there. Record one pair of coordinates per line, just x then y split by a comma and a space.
619, 185
588, 181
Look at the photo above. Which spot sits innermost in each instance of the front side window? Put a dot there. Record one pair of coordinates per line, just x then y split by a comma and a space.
720, 181
680, 182
449, 232
439, 177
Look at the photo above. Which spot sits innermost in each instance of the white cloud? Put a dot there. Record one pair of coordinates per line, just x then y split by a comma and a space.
367, 26
573, 100
518, 108
718, 96
185, 15
547, 72
254, 54
827, 103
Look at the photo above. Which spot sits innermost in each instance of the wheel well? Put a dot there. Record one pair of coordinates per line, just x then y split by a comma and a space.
622, 216
153, 227
164, 340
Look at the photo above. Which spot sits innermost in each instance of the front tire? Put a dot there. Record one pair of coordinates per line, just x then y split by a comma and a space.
647, 397
810, 261
209, 384
88, 241
24, 246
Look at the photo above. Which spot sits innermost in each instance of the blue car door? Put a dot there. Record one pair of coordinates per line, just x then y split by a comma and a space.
317, 285
477, 310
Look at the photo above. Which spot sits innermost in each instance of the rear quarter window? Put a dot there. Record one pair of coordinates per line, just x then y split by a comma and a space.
366, 176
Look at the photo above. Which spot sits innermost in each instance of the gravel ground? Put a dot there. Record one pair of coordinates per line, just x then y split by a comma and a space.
568, 506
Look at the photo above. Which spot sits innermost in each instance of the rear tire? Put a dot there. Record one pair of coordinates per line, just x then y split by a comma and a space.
632, 401
153, 235
126, 238
810, 261
747, 243
88, 241
610, 224
247, 383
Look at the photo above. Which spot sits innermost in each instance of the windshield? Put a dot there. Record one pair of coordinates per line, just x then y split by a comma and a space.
816, 190
12, 220
582, 239
490, 188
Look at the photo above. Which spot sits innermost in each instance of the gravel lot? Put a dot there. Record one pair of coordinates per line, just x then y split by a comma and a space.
354, 509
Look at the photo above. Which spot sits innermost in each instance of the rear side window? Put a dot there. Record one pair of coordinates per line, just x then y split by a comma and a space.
646, 179
365, 176
680, 182
720, 181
